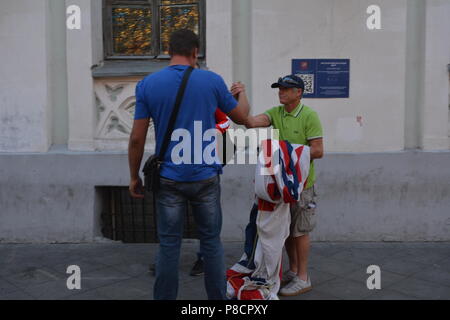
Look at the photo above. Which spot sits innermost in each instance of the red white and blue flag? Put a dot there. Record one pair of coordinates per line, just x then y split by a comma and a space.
280, 177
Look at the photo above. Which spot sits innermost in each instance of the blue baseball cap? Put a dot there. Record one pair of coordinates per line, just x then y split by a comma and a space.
290, 81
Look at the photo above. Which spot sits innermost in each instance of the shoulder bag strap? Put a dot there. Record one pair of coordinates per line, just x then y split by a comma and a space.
173, 116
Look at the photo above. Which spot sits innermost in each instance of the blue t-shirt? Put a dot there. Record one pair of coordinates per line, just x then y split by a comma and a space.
205, 92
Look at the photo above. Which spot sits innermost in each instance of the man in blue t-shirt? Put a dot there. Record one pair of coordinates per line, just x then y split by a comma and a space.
190, 170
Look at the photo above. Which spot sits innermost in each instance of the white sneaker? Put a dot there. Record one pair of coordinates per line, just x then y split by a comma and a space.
273, 296
295, 287
287, 277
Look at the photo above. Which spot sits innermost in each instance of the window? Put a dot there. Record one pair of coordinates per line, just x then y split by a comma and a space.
123, 218
140, 29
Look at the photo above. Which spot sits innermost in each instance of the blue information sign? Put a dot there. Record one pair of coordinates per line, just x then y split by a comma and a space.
324, 78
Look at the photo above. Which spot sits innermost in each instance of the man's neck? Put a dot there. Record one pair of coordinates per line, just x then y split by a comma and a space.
180, 60
291, 106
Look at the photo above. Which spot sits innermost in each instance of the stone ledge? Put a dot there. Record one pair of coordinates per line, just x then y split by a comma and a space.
127, 68
130, 68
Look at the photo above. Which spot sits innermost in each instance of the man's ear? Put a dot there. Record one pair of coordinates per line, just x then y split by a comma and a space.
195, 53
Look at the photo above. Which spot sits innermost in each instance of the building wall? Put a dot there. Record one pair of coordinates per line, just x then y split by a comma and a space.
403, 91
399, 196
80, 59
436, 75
369, 188
57, 57
25, 103
332, 29
385, 89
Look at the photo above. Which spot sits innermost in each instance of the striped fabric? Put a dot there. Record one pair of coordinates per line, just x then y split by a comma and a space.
222, 121
280, 177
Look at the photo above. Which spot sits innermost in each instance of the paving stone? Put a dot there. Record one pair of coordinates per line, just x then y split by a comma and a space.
52, 290
402, 266
33, 276
311, 295
381, 249
16, 295
6, 287
388, 294
422, 289
367, 256
130, 289
133, 269
344, 289
192, 290
18, 265
5, 250
337, 267
371, 245
422, 255
145, 297
120, 271
314, 259
102, 277
97, 251
19, 250
421, 245
387, 278
84, 264
326, 249
437, 275
112, 259
188, 257
143, 250
52, 260
443, 264
88, 295
317, 277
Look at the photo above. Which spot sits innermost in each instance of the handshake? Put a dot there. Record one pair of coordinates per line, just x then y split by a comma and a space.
236, 89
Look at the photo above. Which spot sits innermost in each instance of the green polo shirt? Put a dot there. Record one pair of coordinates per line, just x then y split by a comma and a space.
297, 127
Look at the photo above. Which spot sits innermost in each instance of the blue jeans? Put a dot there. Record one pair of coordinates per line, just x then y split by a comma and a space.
171, 205
251, 238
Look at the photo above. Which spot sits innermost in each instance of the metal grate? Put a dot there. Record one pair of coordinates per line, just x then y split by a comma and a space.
133, 220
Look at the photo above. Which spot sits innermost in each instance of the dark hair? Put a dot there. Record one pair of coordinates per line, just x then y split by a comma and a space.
183, 42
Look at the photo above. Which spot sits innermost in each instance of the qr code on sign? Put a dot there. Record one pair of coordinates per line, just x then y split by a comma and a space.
308, 79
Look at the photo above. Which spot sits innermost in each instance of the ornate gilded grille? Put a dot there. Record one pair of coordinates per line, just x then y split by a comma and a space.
140, 29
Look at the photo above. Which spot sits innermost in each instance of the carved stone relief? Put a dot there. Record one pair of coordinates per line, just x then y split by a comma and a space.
115, 106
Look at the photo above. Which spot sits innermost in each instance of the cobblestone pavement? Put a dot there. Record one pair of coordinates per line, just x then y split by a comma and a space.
113, 271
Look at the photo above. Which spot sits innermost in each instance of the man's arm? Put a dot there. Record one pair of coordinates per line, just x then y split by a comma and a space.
259, 121
316, 146
239, 114
135, 153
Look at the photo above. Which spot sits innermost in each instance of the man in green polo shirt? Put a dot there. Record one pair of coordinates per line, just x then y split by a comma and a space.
297, 124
